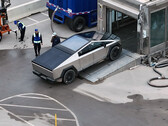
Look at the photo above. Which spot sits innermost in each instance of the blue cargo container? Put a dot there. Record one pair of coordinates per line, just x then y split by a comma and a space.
76, 13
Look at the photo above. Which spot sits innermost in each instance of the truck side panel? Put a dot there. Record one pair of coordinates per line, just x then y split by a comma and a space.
70, 9
82, 5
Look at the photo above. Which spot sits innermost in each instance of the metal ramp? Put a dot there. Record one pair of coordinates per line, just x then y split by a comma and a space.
107, 68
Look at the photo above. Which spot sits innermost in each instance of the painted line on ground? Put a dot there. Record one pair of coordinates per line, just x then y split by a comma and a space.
88, 94
25, 94
44, 14
32, 19
33, 117
17, 116
5, 99
37, 22
30, 97
32, 107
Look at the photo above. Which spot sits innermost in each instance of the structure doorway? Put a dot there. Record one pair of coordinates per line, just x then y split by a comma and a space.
124, 27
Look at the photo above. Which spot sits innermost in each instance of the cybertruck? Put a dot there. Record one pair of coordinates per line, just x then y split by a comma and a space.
65, 60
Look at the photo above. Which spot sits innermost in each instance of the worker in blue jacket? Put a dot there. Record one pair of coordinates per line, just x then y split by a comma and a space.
37, 42
22, 29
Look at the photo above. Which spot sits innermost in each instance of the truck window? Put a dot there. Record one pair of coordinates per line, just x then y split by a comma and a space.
90, 48
74, 43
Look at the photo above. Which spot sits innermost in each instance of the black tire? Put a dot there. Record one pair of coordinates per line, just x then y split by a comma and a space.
69, 22
50, 12
115, 52
78, 24
0, 37
69, 76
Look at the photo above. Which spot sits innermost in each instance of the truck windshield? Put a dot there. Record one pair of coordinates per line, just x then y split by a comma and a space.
74, 43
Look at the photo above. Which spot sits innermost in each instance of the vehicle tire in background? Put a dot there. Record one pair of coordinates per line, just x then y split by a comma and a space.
115, 52
69, 76
69, 22
78, 24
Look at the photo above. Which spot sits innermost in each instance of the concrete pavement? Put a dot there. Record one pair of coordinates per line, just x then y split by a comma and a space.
141, 73
22, 109
123, 99
20, 9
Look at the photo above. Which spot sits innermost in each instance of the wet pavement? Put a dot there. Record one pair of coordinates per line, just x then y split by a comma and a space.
35, 109
122, 100
16, 78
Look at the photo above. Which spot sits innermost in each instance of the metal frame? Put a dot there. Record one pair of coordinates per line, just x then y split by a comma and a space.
151, 7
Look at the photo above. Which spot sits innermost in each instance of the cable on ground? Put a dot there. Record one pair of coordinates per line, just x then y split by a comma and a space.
162, 77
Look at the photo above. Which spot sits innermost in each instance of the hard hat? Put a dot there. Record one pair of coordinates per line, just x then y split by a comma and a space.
15, 22
36, 29
54, 34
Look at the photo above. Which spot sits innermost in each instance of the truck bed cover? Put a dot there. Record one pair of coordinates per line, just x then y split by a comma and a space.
52, 58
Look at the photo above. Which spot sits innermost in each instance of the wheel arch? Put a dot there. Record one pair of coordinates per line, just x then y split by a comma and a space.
68, 68
116, 44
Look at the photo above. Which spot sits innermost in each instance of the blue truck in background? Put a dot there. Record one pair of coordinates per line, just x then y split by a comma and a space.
75, 13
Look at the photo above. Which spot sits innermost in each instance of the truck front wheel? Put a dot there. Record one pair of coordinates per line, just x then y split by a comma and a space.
115, 52
69, 76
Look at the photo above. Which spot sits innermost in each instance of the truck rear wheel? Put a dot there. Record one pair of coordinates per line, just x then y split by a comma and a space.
69, 76
79, 24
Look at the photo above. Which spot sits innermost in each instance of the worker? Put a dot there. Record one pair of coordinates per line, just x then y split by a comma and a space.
37, 42
55, 39
22, 29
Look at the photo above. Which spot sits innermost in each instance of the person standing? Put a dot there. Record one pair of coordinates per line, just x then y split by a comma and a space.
22, 29
55, 39
37, 42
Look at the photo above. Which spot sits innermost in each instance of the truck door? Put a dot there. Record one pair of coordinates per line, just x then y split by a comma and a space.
100, 51
85, 57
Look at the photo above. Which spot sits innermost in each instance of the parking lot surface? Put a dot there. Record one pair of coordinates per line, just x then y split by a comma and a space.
121, 100
35, 110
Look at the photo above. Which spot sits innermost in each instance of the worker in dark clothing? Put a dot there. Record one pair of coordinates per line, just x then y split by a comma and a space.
22, 29
37, 42
55, 39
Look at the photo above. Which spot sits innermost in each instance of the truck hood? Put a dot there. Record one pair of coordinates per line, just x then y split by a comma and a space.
52, 58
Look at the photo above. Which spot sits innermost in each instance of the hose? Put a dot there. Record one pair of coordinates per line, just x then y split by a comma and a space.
52, 18
162, 77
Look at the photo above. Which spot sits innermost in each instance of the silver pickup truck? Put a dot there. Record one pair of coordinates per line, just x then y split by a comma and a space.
65, 60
